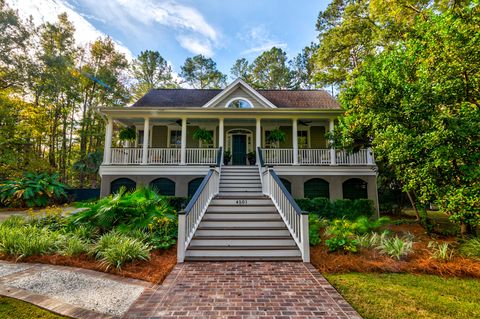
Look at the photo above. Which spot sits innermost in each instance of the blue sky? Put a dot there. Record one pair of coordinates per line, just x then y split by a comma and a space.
224, 30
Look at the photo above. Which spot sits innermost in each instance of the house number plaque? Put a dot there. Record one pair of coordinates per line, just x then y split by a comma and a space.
241, 202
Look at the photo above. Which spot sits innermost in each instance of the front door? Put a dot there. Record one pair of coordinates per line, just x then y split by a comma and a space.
239, 149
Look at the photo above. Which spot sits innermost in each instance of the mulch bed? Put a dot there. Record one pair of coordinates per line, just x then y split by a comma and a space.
418, 262
155, 270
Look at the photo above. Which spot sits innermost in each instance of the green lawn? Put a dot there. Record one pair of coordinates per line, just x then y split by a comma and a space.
13, 309
409, 296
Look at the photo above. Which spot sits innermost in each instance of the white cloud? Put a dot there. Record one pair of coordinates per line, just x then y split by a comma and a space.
193, 32
48, 10
258, 39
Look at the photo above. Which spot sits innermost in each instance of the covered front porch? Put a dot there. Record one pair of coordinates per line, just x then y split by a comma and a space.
169, 141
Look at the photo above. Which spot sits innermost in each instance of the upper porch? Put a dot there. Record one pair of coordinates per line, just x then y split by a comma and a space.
169, 140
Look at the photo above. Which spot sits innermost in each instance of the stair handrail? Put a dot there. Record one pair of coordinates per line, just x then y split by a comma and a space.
191, 216
294, 218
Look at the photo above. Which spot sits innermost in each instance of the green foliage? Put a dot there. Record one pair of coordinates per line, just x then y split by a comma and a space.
141, 210
341, 236
277, 135
471, 248
127, 134
202, 73
396, 247
114, 249
419, 99
27, 241
14, 221
73, 245
270, 70
203, 135
441, 251
32, 190
364, 225
340, 208
371, 240
314, 225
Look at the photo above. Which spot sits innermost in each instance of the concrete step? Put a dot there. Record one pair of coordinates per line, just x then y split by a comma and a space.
250, 216
228, 241
243, 251
243, 222
241, 231
242, 209
257, 258
236, 195
240, 188
239, 181
241, 202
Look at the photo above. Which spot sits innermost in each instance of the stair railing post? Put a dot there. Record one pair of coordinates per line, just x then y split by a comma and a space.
305, 238
181, 237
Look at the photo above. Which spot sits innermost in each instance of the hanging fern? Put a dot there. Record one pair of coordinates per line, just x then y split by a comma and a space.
127, 134
203, 135
277, 135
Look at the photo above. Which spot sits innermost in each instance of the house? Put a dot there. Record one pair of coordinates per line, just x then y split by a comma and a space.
245, 124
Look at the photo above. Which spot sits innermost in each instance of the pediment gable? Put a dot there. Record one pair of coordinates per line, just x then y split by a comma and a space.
239, 90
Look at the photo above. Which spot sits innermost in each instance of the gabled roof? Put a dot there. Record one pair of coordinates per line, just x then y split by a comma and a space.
196, 98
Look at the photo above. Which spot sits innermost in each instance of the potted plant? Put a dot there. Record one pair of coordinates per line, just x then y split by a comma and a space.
204, 136
227, 156
252, 157
127, 134
276, 136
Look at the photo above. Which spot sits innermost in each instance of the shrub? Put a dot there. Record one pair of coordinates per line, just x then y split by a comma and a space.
163, 232
52, 218
128, 210
177, 203
372, 239
14, 221
314, 225
114, 249
364, 225
471, 248
73, 245
341, 233
395, 247
341, 208
27, 241
32, 190
440, 251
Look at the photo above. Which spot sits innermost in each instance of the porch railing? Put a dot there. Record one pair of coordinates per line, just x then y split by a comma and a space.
190, 218
285, 156
295, 219
202, 155
163, 156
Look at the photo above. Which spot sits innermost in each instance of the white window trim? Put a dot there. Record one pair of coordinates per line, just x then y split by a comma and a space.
239, 98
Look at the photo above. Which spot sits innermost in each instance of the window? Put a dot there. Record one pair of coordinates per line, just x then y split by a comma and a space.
193, 186
239, 104
202, 144
115, 185
354, 188
316, 187
302, 137
175, 138
287, 184
163, 186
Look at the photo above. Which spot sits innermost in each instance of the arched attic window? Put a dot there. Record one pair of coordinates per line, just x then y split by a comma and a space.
163, 186
239, 103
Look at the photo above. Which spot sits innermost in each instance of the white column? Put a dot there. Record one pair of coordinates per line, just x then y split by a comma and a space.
333, 159
107, 155
295, 141
369, 156
221, 132
146, 137
183, 150
258, 133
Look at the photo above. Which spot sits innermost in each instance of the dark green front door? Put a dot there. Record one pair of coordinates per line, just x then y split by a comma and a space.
239, 149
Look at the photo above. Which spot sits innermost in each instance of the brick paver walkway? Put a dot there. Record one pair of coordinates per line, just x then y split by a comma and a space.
242, 290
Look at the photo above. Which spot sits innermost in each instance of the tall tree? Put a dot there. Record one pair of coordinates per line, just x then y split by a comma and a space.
241, 69
150, 70
202, 73
270, 70
303, 67
418, 103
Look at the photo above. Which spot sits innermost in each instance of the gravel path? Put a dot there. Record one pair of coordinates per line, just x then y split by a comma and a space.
86, 289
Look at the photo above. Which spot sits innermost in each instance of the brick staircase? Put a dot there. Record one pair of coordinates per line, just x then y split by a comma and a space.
241, 223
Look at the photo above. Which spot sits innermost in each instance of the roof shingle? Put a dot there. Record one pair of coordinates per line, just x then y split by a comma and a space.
318, 99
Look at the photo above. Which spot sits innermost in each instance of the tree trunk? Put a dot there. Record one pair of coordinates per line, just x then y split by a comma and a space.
412, 202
